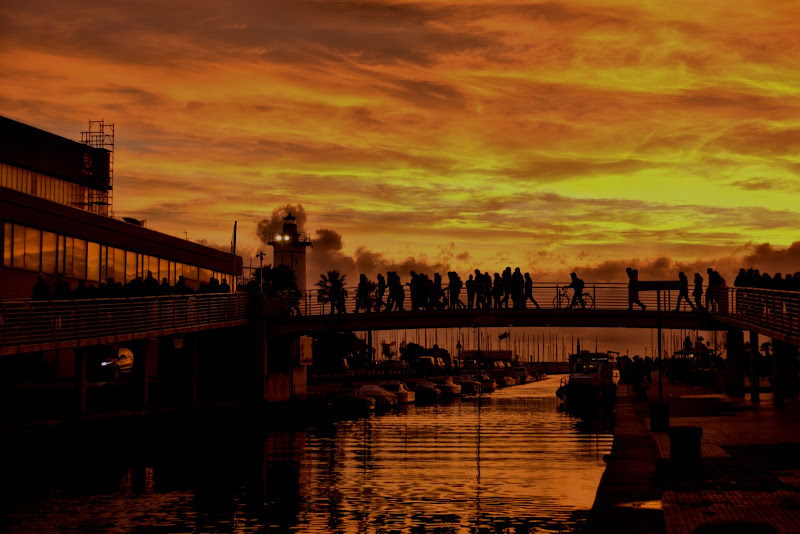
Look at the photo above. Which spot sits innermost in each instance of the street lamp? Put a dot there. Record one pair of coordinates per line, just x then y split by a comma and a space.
261, 271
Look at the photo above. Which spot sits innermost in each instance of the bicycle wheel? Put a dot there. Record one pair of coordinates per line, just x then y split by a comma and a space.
587, 298
560, 301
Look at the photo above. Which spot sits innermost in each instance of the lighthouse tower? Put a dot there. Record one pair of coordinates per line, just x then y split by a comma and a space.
289, 248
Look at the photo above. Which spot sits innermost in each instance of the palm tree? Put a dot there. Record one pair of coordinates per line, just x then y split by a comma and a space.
331, 289
276, 279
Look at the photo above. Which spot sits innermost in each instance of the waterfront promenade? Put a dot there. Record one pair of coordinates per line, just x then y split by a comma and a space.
749, 473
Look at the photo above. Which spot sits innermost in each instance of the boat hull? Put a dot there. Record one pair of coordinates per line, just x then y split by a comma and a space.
586, 399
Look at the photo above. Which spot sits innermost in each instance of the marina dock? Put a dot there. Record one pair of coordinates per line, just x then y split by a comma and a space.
748, 477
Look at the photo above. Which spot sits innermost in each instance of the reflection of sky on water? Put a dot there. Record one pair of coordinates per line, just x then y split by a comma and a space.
512, 461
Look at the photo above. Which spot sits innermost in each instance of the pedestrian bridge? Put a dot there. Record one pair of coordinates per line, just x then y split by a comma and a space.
30, 326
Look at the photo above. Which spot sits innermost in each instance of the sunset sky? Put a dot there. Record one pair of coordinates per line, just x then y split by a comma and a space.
589, 134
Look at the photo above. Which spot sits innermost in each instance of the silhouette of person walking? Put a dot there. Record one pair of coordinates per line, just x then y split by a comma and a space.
529, 293
577, 285
517, 287
633, 289
698, 291
683, 292
363, 294
381, 291
470, 283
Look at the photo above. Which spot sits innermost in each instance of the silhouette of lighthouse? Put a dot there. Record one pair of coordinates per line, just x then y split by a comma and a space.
289, 248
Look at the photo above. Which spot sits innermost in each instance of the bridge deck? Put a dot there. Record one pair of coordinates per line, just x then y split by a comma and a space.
29, 326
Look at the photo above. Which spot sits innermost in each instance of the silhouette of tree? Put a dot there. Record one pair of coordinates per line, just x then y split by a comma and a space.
331, 289
276, 279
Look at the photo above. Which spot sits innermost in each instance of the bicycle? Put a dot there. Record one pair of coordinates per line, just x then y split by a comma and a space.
563, 298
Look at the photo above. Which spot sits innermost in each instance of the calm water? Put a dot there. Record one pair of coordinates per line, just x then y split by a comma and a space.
509, 463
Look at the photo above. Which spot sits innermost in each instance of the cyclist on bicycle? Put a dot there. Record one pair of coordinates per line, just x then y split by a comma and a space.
577, 285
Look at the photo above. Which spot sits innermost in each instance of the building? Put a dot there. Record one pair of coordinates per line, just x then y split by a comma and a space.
289, 249
55, 211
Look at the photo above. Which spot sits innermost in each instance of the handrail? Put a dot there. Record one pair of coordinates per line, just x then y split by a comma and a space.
768, 310
29, 322
607, 296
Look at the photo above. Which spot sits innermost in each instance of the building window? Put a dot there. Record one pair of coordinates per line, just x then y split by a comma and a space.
119, 264
8, 244
163, 269
33, 249
79, 258
130, 266
60, 254
18, 259
49, 250
92, 261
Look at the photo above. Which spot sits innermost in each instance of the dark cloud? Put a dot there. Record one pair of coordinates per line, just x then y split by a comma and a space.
326, 255
287, 31
764, 257
768, 184
275, 223
372, 263
769, 259
757, 139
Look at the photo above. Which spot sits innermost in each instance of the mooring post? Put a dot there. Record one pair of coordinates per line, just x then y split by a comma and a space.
660, 357
754, 378
80, 380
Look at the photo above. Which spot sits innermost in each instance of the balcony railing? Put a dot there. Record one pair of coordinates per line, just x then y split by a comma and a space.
29, 322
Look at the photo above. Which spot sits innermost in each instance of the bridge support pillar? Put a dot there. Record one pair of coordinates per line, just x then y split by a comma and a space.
80, 380
256, 354
754, 374
191, 347
736, 363
148, 359
784, 370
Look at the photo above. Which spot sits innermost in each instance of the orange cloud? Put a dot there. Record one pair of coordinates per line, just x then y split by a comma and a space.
550, 135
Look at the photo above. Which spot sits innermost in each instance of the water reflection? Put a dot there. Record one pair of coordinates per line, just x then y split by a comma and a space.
510, 462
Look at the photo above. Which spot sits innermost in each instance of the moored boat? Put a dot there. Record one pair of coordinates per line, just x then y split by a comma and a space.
448, 387
352, 402
590, 387
487, 383
383, 399
400, 389
427, 393
469, 386
506, 381
522, 374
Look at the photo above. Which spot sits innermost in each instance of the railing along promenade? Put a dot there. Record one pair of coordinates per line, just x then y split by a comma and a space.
769, 312
32, 325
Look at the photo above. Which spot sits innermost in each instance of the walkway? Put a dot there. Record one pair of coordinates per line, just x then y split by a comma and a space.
628, 498
750, 469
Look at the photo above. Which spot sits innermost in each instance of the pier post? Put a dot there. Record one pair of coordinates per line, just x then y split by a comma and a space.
80, 380
191, 341
736, 364
754, 375
270, 359
147, 358
784, 370
256, 354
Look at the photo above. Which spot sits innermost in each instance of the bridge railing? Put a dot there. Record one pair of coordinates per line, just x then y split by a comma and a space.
763, 309
605, 296
31, 322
